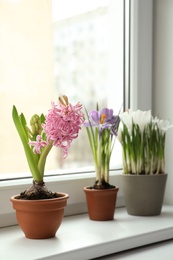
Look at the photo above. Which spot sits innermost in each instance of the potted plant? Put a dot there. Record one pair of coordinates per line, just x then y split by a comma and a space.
43, 210
101, 126
143, 152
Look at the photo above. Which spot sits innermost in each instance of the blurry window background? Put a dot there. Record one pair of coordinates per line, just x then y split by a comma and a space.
53, 47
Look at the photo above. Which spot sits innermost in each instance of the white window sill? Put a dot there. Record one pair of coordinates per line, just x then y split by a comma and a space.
160, 250
80, 238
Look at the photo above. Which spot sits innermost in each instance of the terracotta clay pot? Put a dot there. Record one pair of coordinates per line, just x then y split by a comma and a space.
40, 219
101, 203
144, 194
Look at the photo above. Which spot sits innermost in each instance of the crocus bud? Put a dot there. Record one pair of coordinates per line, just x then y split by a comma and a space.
35, 123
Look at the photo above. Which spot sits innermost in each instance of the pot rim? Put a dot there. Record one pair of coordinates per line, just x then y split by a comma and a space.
63, 196
88, 188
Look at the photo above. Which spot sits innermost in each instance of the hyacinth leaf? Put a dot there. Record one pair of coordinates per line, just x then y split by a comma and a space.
42, 118
20, 123
23, 121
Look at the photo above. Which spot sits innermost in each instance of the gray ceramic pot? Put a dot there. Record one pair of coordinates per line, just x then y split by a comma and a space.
144, 194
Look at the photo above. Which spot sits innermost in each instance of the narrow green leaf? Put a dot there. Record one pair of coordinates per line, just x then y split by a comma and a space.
28, 152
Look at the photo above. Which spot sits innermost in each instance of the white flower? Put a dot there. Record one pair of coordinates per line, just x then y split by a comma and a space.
163, 125
143, 142
141, 118
126, 118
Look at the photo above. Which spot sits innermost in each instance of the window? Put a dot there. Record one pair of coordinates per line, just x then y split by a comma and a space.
140, 27
76, 51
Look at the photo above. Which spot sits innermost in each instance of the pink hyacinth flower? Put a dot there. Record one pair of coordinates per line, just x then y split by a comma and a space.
62, 125
38, 144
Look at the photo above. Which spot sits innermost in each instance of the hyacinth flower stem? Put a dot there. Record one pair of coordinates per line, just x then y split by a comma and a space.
42, 159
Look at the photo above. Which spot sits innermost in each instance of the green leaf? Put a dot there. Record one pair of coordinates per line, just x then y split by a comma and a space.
20, 123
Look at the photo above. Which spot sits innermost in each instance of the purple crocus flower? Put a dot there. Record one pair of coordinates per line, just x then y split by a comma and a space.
103, 119
102, 127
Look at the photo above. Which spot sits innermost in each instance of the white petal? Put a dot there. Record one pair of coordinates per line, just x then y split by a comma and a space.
142, 118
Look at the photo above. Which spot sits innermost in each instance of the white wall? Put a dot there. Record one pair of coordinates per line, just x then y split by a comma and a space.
163, 77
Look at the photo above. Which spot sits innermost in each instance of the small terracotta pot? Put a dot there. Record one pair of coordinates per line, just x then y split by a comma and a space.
40, 218
101, 203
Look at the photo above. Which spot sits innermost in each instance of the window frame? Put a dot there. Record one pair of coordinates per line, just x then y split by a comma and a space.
139, 70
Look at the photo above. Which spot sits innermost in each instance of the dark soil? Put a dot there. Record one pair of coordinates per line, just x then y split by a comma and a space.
103, 186
38, 191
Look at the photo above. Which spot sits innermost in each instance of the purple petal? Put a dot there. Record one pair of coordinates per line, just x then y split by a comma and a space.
95, 117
